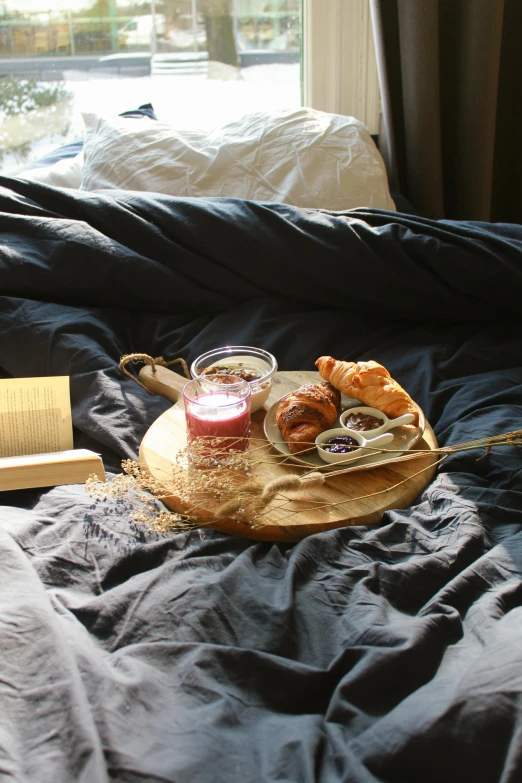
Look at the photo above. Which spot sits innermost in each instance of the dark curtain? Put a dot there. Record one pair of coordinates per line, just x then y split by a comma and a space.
450, 73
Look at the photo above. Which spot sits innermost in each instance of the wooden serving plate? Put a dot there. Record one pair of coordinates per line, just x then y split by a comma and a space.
167, 436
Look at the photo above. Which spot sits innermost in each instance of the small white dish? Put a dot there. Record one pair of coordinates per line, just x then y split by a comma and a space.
387, 423
364, 444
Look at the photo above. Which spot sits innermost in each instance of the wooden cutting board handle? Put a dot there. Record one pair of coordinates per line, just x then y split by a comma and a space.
163, 381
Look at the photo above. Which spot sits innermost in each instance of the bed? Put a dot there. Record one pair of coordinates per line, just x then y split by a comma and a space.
383, 653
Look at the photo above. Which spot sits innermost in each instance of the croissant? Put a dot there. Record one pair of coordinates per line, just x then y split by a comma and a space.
369, 382
305, 412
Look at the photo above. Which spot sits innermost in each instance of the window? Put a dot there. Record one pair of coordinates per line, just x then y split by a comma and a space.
199, 62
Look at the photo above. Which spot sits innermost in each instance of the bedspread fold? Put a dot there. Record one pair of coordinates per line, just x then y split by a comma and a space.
378, 654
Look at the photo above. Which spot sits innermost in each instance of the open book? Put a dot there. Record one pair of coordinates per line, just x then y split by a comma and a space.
36, 439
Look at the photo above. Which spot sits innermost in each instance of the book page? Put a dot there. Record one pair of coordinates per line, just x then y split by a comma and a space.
35, 415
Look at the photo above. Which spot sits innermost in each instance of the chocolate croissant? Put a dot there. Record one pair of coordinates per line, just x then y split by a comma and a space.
306, 412
369, 382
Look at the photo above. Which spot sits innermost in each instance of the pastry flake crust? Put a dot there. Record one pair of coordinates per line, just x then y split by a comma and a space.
369, 382
306, 412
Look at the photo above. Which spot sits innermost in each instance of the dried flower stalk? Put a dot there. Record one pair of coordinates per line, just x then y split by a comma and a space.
207, 474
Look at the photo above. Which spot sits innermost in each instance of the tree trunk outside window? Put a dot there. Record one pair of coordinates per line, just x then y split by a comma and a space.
217, 17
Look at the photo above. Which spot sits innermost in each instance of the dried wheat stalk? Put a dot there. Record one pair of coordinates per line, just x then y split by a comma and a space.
201, 476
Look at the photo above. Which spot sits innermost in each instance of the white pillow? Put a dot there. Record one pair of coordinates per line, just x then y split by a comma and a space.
302, 157
65, 173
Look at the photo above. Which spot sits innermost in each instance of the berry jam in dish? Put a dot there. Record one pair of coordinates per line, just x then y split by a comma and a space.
340, 444
345, 446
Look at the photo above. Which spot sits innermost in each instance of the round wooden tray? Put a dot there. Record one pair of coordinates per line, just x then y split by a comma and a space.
167, 436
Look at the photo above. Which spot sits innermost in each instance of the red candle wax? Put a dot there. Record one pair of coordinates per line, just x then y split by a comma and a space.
219, 416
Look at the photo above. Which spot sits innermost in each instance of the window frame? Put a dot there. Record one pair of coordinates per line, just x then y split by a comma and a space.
339, 67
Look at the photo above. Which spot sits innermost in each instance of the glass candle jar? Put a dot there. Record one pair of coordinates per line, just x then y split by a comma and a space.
218, 409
